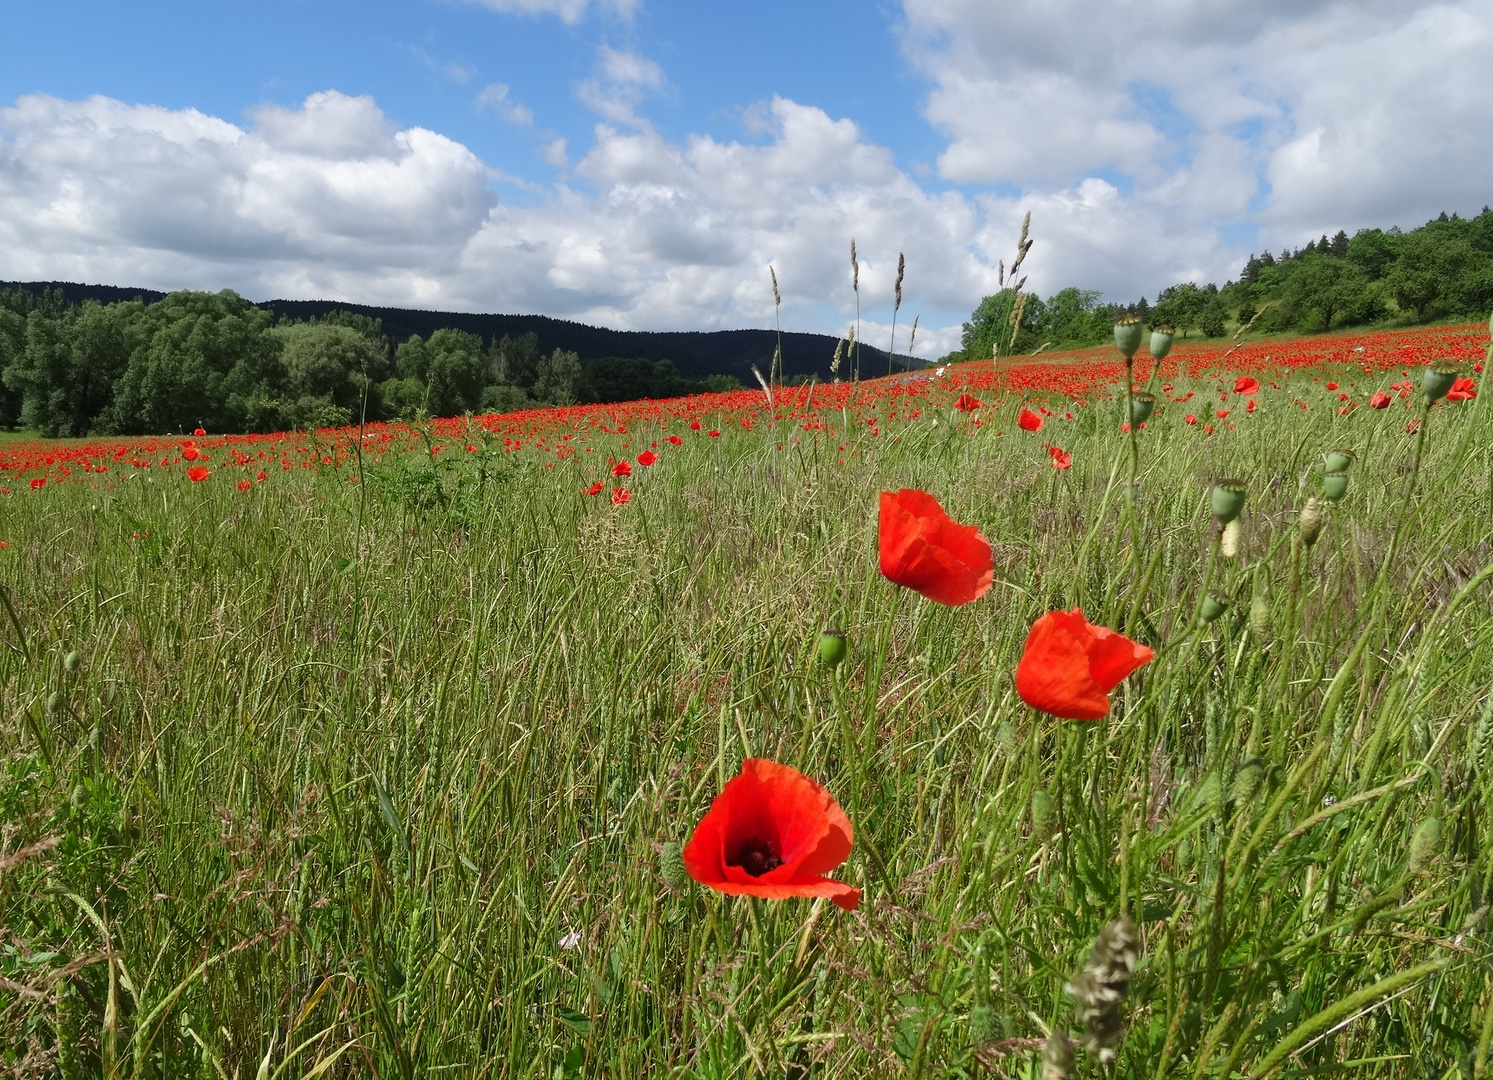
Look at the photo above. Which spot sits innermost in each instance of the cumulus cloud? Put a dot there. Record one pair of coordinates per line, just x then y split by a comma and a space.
330, 200
496, 97
622, 82
1147, 136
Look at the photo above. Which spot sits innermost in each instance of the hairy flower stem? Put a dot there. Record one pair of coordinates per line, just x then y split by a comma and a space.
1132, 494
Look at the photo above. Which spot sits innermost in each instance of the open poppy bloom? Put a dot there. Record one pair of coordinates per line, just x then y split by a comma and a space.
774, 833
1061, 459
1379, 400
1245, 385
647, 457
1463, 389
1069, 666
595, 489
925, 550
622, 468
967, 403
1029, 421
197, 474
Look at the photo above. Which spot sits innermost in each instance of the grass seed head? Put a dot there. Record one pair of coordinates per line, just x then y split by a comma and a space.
1100, 989
1228, 547
1311, 522
1259, 618
1058, 1059
671, 867
1425, 844
1044, 816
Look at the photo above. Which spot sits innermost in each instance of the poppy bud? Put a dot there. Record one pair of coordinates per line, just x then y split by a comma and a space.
1259, 617
671, 867
1142, 405
71, 661
1213, 606
1334, 486
1128, 332
1311, 522
832, 648
1425, 844
982, 1025
1058, 1060
1340, 460
54, 703
1161, 342
1228, 501
1438, 379
81, 795
1044, 816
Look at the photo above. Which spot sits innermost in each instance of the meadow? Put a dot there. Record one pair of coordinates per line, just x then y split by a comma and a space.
369, 752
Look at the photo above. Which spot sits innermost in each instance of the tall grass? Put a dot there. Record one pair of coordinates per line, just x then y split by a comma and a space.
276, 805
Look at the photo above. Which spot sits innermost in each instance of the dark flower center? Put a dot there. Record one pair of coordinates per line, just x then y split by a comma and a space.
756, 857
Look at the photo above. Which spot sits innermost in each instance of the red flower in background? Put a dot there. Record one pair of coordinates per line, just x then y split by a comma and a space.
967, 403
1060, 458
1462, 390
1246, 386
197, 474
620, 496
1069, 666
198, 432
244, 485
647, 457
38, 482
190, 452
1380, 400
714, 434
1029, 421
622, 468
774, 833
596, 488
1189, 418
925, 550
676, 440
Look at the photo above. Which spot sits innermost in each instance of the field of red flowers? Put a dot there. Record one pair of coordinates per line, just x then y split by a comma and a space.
1208, 381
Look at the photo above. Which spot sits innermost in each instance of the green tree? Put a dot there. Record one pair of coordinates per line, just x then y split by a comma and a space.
1325, 285
558, 378
326, 365
515, 360
1426, 269
1373, 251
1180, 307
451, 368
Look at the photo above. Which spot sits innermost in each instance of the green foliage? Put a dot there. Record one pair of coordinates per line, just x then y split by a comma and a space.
557, 378
450, 366
1326, 286
326, 368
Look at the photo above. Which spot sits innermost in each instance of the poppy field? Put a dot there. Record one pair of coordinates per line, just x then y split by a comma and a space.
1067, 716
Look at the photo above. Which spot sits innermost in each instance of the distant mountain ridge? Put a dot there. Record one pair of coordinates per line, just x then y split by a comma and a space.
696, 353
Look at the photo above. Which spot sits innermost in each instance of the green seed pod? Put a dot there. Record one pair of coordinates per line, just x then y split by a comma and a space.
1247, 781
983, 1028
1259, 617
1340, 461
832, 648
1142, 405
1044, 816
1438, 379
1228, 501
1161, 342
54, 703
1425, 844
71, 661
1213, 606
1334, 486
671, 867
1128, 332
1311, 522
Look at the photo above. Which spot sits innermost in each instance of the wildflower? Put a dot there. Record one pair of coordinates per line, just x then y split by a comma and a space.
198, 432
596, 488
714, 434
620, 496
1246, 386
1190, 419
260, 477
1221, 413
1251, 406
38, 482
622, 468
1464, 389
1332, 386
1379, 400
694, 425
647, 457
1060, 458
1069, 666
190, 452
923, 549
967, 403
774, 833
675, 440
243, 485
197, 474
1029, 421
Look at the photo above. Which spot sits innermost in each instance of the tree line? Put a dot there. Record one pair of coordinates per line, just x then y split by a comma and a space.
1442, 270
214, 360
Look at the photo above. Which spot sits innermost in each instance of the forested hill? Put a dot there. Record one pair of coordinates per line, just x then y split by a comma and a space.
696, 354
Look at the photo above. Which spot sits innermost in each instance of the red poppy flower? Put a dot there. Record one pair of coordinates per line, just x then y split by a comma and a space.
647, 457
1060, 458
1380, 400
676, 440
967, 403
1221, 413
260, 476
1029, 421
925, 550
198, 432
197, 474
1069, 666
622, 468
190, 452
1462, 390
774, 833
244, 485
694, 425
714, 434
1190, 418
1332, 386
1246, 386
620, 496
596, 488
38, 482
1251, 406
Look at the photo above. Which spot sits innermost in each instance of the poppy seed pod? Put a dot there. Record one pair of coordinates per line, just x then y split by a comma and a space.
1340, 460
1213, 606
1228, 501
1438, 379
832, 648
1128, 332
71, 661
1142, 405
1311, 522
1334, 486
1161, 342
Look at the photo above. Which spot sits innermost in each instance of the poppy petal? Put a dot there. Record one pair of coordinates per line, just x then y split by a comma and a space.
1112, 657
1053, 675
923, 549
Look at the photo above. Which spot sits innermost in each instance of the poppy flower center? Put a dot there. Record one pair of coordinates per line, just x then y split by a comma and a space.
756, 857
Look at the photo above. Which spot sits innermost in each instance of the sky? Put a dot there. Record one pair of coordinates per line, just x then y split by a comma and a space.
641, 164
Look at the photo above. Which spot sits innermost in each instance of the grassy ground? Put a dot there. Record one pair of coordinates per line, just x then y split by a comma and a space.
328, 779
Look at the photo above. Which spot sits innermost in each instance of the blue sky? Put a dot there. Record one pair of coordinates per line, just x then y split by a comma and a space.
641, 163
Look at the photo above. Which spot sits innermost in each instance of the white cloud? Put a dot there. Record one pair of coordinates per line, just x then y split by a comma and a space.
495, 96
570, 11
555, 153
623, 81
